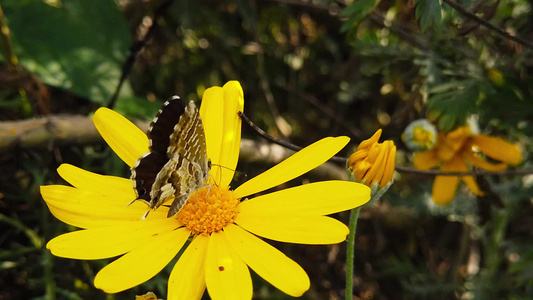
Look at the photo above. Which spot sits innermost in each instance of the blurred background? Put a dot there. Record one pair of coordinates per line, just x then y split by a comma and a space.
309, 69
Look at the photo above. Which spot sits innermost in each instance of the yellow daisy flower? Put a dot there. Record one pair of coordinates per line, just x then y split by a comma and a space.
222, 225
458, 149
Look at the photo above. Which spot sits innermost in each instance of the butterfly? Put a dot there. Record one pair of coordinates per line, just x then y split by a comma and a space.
177, 162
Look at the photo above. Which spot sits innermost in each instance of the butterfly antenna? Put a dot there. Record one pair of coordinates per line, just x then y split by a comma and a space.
221, 167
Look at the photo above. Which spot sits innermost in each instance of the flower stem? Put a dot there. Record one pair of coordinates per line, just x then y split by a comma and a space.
354, 214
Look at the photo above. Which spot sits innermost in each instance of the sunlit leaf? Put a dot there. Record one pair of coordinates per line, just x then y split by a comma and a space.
78, 46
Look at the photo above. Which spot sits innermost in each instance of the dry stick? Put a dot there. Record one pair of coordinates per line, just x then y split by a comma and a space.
135, 48
10, 56
40, 132
343, 160
325, 110
482, 22
281, 124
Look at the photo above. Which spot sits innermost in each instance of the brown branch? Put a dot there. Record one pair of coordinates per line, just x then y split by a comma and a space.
488, 25
473, 173
79, 130
325, 110
135, 48
340, 159
281, 124
9, 54
45, 132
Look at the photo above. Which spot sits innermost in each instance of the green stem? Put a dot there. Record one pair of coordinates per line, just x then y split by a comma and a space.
350, 247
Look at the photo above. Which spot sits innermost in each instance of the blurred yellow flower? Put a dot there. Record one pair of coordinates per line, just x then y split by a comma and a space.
496, 77
221, 225
457, 150
373, 163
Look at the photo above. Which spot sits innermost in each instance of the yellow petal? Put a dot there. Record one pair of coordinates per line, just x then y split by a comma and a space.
86, 209
187, 279
360, 170
226, 275
479, 162
313, 199
375, 174
269, 263
299, 163
426, 160
369, 142
222, 128
126, 139
313, 230
142, 263
472, 185
498, 148
456, 138
444, 189
459, 165
107, 242
97, 183
389, 166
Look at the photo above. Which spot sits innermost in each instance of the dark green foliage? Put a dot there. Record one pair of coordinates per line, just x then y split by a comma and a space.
356, 12
453, 102
428, 12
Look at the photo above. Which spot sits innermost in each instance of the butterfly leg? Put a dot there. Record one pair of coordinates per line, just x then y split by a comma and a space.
146, 214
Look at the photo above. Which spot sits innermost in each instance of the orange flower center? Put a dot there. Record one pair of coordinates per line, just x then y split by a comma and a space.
209, 209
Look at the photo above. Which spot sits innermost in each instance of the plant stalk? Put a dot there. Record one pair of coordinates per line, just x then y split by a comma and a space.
350, 251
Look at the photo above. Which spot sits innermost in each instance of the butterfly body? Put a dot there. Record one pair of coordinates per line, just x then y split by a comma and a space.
177, 163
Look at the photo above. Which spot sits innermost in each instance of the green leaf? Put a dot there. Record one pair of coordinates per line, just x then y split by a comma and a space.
78, 46
356, 12
428, 11
453, 102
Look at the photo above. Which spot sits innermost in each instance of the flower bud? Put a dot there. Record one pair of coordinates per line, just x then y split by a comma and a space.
419, 135
373, 163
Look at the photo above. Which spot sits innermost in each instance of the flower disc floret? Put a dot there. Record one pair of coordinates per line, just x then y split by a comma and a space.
209, 209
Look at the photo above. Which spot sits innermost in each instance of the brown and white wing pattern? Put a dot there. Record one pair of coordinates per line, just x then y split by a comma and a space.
188, 165
177, 163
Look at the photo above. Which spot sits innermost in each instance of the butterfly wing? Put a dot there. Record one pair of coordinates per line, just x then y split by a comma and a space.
187, 167
188, 146
143, 174
150, 164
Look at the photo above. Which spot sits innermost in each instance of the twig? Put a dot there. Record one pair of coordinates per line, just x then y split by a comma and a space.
10, 56
79, 130
282, 125
473, 173
135, 49
283, 143
341, 159
324, 109
497, 30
